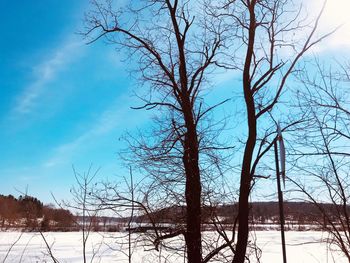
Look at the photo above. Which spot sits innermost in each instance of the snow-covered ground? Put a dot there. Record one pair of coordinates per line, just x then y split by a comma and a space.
112, 247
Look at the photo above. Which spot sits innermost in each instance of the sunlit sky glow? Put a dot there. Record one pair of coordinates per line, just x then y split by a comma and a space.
336, 14
63, 102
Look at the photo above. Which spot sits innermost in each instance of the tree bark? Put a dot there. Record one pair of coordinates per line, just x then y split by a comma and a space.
193, 189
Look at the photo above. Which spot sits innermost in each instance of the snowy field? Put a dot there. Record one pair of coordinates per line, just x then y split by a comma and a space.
112, 247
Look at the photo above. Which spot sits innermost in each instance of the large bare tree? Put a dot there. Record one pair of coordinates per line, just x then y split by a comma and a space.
174, 48
272, 41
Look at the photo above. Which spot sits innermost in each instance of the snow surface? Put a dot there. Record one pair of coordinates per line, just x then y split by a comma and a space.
112, 247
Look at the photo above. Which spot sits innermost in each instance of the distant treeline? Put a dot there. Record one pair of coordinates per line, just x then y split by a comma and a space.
30, 213
296, 214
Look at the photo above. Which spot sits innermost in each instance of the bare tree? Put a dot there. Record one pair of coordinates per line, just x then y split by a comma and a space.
323, 152
176, 45
267, 34
85, 207
175, 48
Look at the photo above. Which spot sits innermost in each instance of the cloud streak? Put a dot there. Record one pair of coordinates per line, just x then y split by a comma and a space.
44, 73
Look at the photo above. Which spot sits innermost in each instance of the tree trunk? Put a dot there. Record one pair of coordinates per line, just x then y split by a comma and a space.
244, 191
246, 176
193, 189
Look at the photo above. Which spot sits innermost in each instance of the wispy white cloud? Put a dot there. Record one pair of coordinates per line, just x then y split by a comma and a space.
44, 73
116, 119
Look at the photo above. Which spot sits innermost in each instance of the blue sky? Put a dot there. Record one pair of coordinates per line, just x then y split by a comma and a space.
63, 102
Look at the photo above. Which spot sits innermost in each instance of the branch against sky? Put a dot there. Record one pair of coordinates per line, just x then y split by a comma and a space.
321, 149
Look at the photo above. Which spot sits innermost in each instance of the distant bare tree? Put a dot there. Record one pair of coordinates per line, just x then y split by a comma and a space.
85, 207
